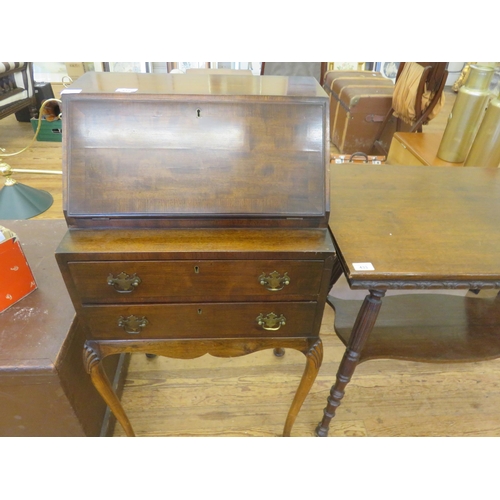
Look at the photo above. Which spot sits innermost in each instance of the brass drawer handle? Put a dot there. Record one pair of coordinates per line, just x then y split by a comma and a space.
132, 324
274, 282
271, 322
124, 283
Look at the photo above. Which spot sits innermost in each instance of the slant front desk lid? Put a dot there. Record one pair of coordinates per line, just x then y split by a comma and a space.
156, 150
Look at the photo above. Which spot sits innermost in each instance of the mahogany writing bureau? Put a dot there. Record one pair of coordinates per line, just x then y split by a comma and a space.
197, 208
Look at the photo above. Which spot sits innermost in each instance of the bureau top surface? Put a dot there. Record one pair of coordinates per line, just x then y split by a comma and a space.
195, 243
161, 85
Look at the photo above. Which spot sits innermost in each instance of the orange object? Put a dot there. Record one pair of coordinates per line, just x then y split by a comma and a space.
16, 278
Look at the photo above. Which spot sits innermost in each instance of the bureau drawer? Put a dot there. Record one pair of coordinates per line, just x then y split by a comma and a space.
182, 321
194, 281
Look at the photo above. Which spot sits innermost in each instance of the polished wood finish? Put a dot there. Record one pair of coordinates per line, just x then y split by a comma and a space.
361, 330
201, 278
95, 352
417, 149
250, 395
202, 306
150, 160
192, 150
428, 220
418, 238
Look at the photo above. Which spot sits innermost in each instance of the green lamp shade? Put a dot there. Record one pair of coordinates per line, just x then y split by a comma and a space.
19, 201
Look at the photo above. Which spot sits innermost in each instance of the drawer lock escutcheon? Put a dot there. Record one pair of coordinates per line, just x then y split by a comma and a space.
124, 283
132, 324
271, 322
274, 281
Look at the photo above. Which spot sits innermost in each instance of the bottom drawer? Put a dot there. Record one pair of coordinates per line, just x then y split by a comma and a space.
181, 321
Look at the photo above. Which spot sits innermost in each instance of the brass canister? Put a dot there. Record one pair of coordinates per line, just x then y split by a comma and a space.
485, 150
466, 115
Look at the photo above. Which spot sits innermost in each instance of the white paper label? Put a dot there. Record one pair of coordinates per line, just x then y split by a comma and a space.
2, 237
363, 266
71, 91
126, 91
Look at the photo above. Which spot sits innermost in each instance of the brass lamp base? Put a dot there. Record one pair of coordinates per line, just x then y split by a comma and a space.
18, 201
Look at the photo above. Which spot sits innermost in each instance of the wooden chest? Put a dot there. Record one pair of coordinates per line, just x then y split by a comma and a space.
44, 390
149, 150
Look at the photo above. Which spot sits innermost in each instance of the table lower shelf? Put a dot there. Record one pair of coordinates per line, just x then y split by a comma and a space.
427, 327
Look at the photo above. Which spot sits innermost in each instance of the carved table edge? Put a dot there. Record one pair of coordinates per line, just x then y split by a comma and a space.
423, 285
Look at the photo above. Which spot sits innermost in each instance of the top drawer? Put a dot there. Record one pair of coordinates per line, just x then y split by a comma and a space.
195, 281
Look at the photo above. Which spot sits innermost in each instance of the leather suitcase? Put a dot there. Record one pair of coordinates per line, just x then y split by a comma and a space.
357, 110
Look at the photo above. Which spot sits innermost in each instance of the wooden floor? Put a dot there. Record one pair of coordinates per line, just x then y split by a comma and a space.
250, 396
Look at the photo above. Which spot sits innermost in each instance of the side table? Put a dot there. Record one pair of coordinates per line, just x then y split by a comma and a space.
415, 228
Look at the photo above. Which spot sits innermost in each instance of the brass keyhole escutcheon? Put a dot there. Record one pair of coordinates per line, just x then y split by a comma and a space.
271, 321
199, 311
196, 270
124, 283
274, 281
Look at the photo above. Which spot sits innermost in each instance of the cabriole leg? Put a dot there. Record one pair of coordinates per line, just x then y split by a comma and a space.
93, 364
314, 358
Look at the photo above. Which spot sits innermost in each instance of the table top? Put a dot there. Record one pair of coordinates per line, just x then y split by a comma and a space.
33, 331
416, 227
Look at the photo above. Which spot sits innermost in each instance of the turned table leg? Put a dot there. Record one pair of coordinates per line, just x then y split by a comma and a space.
314, 358
93, 364
361, 330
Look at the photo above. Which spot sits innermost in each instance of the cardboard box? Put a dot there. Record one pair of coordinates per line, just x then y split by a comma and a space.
17, 280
